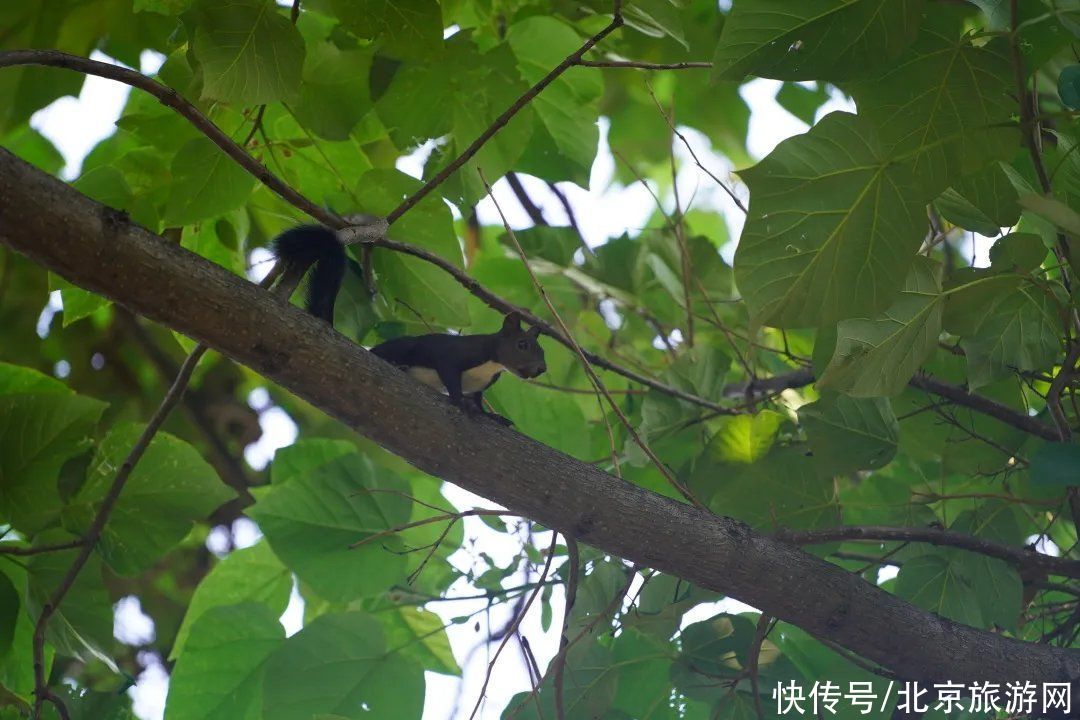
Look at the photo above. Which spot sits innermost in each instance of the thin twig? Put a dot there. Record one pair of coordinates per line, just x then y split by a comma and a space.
467, 154
517, 622
1021, 557
93, 533
559, 662
452, 517
675, 131
20, 551
644, 65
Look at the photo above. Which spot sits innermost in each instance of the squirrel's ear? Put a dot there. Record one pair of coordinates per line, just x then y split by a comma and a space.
511, 323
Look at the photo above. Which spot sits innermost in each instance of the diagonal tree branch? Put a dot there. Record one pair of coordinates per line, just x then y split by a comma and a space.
1020, 557
101, 250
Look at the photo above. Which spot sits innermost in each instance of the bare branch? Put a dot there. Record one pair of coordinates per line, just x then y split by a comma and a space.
1020, 557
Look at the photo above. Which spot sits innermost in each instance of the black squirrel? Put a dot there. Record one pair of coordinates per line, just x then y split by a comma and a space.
462, 366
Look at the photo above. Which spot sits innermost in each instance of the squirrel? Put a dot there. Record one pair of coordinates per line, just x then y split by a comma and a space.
462, 366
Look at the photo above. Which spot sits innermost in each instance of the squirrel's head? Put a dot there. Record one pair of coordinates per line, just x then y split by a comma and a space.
517, 350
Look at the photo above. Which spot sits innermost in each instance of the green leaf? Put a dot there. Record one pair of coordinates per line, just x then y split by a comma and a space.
405, 29
834, 224
83, 626
1056, 465
553, 418
876, 357
249, 52
305, 456
162, 7
996, 584
745, 438
567, 110
170, 488
219, 676
945, 104
1069, 86
310, 522
1018, 330
1052, 210
557, 244
338, 665
78, 303
216, 240
780, 490
802, 102
420, 635
849, 434
984, 202
656, 18
206, 183
34, 148
246, 576
334, 93
18, 379
10, 605
828, 39
38, 434
427, 289
940, 583
1017, 253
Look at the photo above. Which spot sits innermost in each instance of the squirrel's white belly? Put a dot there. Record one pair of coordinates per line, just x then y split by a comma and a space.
472, 380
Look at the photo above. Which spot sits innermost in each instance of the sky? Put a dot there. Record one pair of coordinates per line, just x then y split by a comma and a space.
603, 211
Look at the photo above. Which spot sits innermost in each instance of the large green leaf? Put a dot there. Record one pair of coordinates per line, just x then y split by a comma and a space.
169, 489
78, 303
1019, 330
219, 676
82, 626
250, 575
1056, 465
339, 665
566, 110
407, 29
334, 92
745, 438
249, 52
421, 635
849, 434
984, 202
827, 39
941, 583
780, 490
426, 289
38, 434
206, 183
312, 520
18, 379
10, 605
834, 224
876, 357
943, 105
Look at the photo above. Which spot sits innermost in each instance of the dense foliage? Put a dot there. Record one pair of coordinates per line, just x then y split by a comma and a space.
853, 368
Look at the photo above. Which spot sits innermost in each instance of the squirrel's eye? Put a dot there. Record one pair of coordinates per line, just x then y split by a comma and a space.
522, 345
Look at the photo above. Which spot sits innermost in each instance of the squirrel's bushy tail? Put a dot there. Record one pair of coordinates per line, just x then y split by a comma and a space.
318, 248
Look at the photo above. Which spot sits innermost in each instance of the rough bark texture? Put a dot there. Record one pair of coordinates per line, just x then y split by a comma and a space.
100, 249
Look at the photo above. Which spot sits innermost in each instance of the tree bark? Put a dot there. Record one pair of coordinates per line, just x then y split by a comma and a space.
102, 250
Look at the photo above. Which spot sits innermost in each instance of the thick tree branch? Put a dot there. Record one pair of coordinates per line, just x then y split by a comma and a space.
101, 250
984, 405
1020, 557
